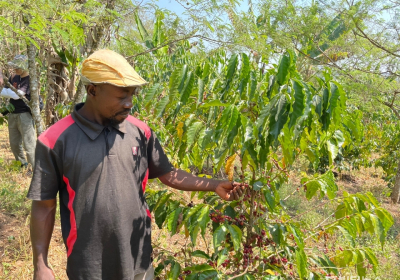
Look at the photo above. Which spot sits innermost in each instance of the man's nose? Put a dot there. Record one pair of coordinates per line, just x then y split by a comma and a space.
128, 103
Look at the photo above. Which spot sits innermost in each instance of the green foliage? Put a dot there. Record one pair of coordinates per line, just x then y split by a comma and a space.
384, 139
5, 108
207, 106
12, 194
269, 120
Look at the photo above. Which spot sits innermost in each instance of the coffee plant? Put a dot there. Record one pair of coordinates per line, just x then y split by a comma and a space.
231, 112
5, 108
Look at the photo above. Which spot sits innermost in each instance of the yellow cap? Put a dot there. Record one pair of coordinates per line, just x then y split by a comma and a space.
106, 66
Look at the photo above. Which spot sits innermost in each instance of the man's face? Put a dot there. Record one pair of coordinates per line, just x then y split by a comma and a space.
111, 102
19, 71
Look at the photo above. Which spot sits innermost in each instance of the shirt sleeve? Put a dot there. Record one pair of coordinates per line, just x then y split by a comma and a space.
9, 93
47, 178
24, 87
157, 159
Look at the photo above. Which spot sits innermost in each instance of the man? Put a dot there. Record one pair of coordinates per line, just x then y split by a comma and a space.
20, 123
99, 159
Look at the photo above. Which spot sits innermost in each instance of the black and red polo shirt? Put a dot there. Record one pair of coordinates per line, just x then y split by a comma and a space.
100, 174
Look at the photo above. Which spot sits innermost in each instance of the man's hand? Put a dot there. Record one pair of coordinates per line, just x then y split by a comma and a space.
228, 190
43, 273
181, 180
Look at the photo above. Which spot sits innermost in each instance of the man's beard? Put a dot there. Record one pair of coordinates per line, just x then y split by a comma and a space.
113, 119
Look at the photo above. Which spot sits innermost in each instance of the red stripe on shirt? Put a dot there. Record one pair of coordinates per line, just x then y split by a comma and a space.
140, 125
144, 183
50, 136
73, 232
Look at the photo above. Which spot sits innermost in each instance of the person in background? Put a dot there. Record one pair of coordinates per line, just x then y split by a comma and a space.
20, 123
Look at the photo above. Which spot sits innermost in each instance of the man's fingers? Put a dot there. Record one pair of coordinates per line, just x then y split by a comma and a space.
237, 184
237, 190
235, 194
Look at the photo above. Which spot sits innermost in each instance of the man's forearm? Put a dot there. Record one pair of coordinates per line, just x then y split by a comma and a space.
184, 181
42, 224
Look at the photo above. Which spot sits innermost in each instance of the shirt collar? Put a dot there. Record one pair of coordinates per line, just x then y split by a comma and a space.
91, 129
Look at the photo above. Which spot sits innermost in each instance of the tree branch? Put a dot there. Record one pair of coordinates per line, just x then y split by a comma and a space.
391, 106
8, 84
177, 40
373, 42
161, 46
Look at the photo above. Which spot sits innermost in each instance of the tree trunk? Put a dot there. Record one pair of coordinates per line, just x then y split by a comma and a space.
74, 77
34, 88
80, 92
94, 36
57, 86
396, 187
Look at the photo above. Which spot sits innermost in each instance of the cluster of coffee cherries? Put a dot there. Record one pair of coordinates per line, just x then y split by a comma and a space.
239, 221
247, 255
261, 241
246, 197
185, 272
219, 217
274, 260
215, 263
226, 263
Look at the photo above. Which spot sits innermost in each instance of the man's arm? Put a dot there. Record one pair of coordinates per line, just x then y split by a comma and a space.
42, 224
184, 181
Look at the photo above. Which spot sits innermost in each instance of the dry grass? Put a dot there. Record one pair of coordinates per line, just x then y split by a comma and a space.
15, 248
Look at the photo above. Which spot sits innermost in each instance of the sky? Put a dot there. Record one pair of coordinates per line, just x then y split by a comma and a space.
171, 5
174, 6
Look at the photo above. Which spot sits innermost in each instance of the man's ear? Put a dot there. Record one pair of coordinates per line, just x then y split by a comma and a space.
91, 90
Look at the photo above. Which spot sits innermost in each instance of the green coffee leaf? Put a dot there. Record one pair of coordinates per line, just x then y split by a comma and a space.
214, 103
283, 69
301, 261
172, 220
219, 236
204, 218
299, 102
174, 272
200, 254
236, 236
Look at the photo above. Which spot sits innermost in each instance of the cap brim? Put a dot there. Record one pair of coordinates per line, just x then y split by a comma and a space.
86, 82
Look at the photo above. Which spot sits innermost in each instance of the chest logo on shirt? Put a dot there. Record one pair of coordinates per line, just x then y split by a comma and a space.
135, 150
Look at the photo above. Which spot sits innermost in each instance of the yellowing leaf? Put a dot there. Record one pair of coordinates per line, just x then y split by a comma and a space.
320, 234
180, 130
229, 166
270, 272
187, 234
